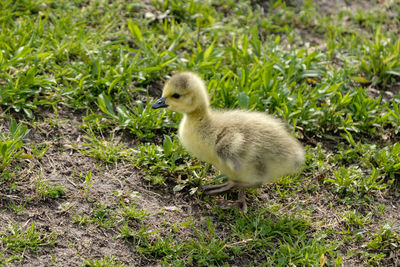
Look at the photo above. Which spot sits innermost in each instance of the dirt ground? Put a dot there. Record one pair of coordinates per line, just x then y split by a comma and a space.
62, 165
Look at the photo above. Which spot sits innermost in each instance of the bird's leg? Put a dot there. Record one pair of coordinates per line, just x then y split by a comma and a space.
242, 199
220, 188
217, 188
240, 203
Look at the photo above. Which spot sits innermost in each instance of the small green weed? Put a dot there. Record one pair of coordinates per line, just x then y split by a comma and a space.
373, 259
381, 62
87, 185
104, 262
131, 212
106, 151
17, 208
387, 160
204, 249
160, 247
103, 216
100, 215
356, 220
385, 239
38, 150
352, 184
18, 239
137, 238
159, 162
45, 190
207, 248
283, 241
11, 144
139, 119
81, 219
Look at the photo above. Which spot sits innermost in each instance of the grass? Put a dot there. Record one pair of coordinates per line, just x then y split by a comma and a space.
77, 80
18, 239
11, 144
45, 190
106, 261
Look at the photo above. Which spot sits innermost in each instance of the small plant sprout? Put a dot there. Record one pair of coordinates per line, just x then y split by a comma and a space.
131, 212
45, 190
87, 185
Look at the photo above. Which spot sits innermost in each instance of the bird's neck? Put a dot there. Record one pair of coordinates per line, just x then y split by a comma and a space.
199, 113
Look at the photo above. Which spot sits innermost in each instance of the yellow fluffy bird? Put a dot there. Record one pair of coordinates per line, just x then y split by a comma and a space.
250, 148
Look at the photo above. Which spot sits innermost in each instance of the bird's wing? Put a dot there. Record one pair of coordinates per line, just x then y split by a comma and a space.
230, 148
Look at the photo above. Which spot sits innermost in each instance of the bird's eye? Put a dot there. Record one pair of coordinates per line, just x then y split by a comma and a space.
176, 96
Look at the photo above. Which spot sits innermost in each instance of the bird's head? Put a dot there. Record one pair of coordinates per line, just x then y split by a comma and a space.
185, 93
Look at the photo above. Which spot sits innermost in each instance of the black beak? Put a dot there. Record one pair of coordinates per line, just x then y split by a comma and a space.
160, 103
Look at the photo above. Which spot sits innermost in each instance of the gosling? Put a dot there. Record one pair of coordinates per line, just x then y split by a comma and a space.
250, 148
